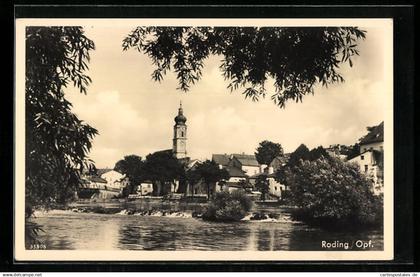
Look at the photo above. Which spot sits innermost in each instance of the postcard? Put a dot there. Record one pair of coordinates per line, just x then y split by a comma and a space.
203, 139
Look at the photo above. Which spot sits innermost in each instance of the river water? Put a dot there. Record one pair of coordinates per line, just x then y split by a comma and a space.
89, 231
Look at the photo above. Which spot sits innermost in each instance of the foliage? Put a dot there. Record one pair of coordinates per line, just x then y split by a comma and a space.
353, 151
333, 193
192, 177
57, 141
350, 151
227, 206
301, 153
318, 153
262, 185
132, 167
32, 232
245, 185
267, 151
163, 168
210, 173
296, 58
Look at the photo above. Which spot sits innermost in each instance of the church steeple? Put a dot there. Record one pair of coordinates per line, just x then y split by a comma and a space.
180, 118
180, 134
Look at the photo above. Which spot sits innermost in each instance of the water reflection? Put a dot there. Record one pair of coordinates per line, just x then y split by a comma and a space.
108, 232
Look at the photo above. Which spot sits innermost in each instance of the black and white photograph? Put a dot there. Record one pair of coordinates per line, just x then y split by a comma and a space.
204, 139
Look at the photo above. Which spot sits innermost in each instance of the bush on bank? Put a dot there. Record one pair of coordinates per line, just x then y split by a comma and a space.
332, 193
227, 207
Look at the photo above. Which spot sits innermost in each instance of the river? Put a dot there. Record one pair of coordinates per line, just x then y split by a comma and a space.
89, 231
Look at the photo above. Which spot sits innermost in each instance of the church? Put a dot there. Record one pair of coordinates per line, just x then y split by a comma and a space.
179, 147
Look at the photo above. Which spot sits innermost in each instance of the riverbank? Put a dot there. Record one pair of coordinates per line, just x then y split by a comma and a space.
157, 207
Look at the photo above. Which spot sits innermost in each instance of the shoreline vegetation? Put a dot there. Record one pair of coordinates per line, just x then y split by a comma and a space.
224, 207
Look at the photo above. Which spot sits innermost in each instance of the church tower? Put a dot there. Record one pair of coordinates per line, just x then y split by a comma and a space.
180, 135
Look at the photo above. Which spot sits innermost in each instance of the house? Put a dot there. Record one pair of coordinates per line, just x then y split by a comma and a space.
336, 151
275, 188
105, 186
371, 157
115, 180
247, 163
221, 159
279, 162
145, 188
374, 140
236, 174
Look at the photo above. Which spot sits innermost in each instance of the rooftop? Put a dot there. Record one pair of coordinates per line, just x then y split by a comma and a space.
101, 171
235, 172
246, 160
222, 159
376, 134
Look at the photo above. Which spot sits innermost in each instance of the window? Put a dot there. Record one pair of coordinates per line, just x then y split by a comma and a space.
362, 157
366, 167
182, 133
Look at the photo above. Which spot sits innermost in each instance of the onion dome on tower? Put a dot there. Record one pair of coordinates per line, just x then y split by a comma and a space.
180, 118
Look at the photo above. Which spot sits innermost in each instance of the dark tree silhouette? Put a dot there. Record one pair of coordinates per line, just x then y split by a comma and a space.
132, 167
162, 168
297, 58
267, 151
192, 177
318, 153
262, 186
301, 153
210, 173
57, 141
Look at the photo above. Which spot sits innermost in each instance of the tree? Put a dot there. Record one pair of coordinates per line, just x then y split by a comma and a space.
267, 151
162, 168
210, 173
132, 167
296, 58
57, 141
227, 207
262, 185
332, 193
301, 153
318, 153
193, 177
353, 151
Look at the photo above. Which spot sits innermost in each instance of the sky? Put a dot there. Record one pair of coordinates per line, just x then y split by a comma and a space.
135, 115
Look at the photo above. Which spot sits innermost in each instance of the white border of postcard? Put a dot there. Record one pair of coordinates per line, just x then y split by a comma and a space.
21, 254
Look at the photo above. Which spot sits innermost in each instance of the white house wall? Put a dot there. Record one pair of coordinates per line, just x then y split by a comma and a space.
251, 170
373, 146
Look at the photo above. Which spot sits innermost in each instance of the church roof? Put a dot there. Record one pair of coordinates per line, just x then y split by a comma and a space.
180, 118
376, 134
